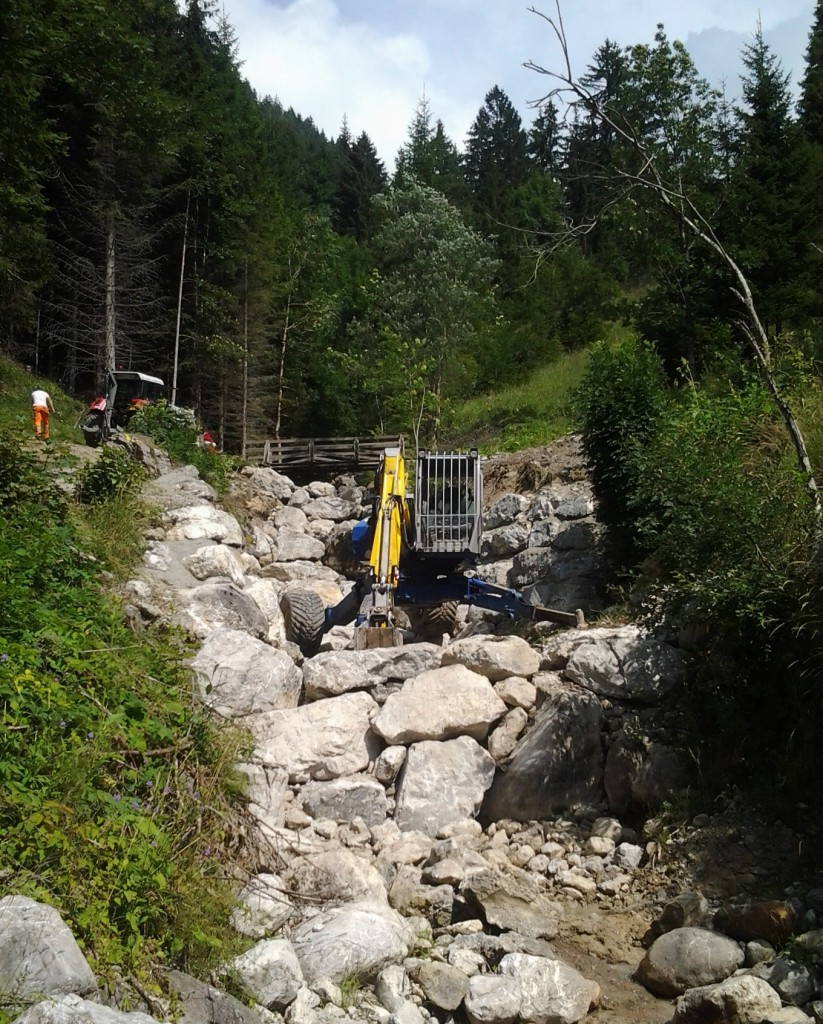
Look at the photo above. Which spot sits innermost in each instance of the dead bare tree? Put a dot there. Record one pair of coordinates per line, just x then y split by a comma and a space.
674, 198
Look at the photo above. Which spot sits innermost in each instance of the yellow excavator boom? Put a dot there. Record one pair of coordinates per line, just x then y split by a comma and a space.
392, 523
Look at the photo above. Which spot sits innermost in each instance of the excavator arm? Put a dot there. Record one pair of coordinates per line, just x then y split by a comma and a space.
392, 522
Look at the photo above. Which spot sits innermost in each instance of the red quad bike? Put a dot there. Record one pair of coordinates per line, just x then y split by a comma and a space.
110, 413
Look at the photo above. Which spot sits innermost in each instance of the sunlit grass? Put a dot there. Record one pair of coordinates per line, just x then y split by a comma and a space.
15, 404
535, 412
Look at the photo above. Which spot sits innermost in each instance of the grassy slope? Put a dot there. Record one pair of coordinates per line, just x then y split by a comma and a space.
114, 788
16, 385
519, 416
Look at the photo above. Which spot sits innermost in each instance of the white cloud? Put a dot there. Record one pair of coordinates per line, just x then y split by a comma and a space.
327, 68
372, 60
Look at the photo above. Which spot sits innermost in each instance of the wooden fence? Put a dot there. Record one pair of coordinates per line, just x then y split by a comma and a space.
315, 453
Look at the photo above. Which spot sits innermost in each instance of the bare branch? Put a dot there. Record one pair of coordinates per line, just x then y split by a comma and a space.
674, 198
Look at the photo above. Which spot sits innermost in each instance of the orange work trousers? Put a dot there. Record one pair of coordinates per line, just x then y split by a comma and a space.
41, 418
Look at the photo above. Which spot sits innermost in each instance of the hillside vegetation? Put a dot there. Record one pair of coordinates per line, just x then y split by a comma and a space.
535, 412
714, 540
155, 213
115, 791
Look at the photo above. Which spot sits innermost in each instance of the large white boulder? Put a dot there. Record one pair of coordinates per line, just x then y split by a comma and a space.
331, 507
239, 675
355, 940
216, 560
263, 906
337, 875
197, 522
438, 705
493, 999
212, 606
637, 669
741, 998
343, 800
293, 546
495, 657
71, 1009
688, 958
266, 795
441, 782
323, 740
266, 595
550, 990
331, 673
38, 954
269, 973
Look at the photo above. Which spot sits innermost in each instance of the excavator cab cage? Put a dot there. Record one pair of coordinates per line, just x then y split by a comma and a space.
448, 497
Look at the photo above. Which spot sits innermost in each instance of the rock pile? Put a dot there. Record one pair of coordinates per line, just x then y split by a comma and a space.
426, 818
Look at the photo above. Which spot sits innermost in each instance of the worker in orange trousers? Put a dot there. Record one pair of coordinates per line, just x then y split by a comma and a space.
41, 406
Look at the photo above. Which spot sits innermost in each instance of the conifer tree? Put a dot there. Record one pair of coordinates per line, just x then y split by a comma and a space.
27, 142
544, 138
429, 157
771, 201
496, 160
362, 176
810, 104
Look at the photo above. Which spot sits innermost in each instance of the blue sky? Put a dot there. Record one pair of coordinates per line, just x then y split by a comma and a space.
372, 60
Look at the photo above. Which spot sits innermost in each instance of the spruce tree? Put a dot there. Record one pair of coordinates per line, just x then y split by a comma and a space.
810, 104
429, 157
362, 176
770, 189
496, 160
544, 138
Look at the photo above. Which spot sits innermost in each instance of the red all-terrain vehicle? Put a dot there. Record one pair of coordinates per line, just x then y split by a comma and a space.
110, 413
128, 391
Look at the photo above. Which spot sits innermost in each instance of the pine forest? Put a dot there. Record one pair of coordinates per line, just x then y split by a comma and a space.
156, 214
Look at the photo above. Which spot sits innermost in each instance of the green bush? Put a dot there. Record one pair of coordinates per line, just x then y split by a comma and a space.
112, 474
719, 502
175, 429
114, 787
23, 481
621, 400
700, 486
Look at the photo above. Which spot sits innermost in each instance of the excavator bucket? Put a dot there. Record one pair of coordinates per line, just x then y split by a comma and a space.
367, 638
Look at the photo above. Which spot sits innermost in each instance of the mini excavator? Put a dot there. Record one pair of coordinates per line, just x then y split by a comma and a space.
421, 551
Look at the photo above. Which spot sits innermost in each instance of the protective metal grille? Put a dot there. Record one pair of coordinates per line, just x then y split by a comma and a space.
448, 499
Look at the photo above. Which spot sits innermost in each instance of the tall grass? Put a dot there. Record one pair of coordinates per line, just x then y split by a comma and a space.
16, 385
535, 412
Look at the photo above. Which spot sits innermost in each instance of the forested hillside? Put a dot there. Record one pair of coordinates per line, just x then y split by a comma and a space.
155, 213
642, 236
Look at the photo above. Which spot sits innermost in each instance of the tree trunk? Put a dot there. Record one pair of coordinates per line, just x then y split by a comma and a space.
221, 414
281, 372
110, 355
72, 366
180, 303
244, 407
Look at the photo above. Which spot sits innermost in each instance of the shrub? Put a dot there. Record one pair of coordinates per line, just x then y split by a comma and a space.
113, 474
621, 400
24, 482
719, 501
175, 429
